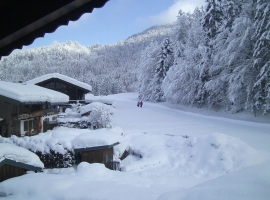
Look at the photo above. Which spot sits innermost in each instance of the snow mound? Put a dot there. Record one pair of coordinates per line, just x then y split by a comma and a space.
98, 172
205, 156
19, 154
247, 184
216, 154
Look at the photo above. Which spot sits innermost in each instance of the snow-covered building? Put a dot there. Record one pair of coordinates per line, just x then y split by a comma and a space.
97, 154
25, 107
97, 147
75, 89
16, 161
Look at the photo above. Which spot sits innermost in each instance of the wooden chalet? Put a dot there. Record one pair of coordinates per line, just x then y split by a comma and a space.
27, 110
97, 154
16, 161
75, 89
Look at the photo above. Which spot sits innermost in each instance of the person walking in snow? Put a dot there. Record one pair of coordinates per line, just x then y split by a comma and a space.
141, 103
138, 104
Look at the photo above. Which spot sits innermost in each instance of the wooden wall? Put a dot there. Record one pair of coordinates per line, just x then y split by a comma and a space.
97, 156
10, 171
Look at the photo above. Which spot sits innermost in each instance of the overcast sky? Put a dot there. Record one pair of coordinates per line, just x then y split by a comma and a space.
118, 20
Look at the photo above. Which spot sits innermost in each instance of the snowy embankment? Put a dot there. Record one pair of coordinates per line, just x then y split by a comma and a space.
172, 152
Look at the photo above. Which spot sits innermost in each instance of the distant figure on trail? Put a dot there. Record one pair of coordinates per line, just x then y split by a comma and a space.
141, 103
138, 104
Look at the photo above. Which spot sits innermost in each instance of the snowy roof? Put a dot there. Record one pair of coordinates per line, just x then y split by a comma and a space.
27, 93
62, 77
97, 138
19, 154
61, 139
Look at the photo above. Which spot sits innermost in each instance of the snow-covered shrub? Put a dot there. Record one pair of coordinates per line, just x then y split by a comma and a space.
94, 115
101, 116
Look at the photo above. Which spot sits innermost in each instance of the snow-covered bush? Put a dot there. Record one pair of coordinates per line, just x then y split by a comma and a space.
55, 148
100, 115
94, 115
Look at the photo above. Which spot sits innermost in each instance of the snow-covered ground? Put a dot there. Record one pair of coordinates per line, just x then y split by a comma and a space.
177, 155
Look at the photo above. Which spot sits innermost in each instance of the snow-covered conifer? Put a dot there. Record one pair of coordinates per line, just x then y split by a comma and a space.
262, 55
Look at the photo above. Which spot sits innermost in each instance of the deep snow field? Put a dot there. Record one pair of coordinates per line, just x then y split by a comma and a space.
177, 155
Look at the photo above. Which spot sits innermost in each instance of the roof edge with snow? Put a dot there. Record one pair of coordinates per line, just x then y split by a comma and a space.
6, 161
96, 148
61, 77
29, 93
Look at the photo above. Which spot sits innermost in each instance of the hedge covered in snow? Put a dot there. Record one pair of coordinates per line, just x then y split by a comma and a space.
95, 115
55, 148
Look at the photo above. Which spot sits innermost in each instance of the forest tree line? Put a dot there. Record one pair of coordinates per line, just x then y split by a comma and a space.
217, 57
109, 69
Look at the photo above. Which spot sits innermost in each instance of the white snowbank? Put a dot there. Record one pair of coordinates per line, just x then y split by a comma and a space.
208, 155
246, 184
31, 93
19, 154
61, 77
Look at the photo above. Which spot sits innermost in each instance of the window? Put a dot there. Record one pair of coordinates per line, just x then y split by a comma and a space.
35, 122
25, 126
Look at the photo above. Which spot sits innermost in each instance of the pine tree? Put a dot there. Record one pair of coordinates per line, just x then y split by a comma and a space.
262, 56
218, 83
147, 67
182, 83
165, 61
211, 23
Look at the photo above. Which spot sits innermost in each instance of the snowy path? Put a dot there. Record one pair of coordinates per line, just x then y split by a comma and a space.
158, 119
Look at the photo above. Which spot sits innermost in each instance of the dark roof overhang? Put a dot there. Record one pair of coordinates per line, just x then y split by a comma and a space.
22, 21
95, 148
21, 165
62, 80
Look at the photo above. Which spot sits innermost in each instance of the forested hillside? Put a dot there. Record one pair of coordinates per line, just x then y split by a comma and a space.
218, 57
110, 69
